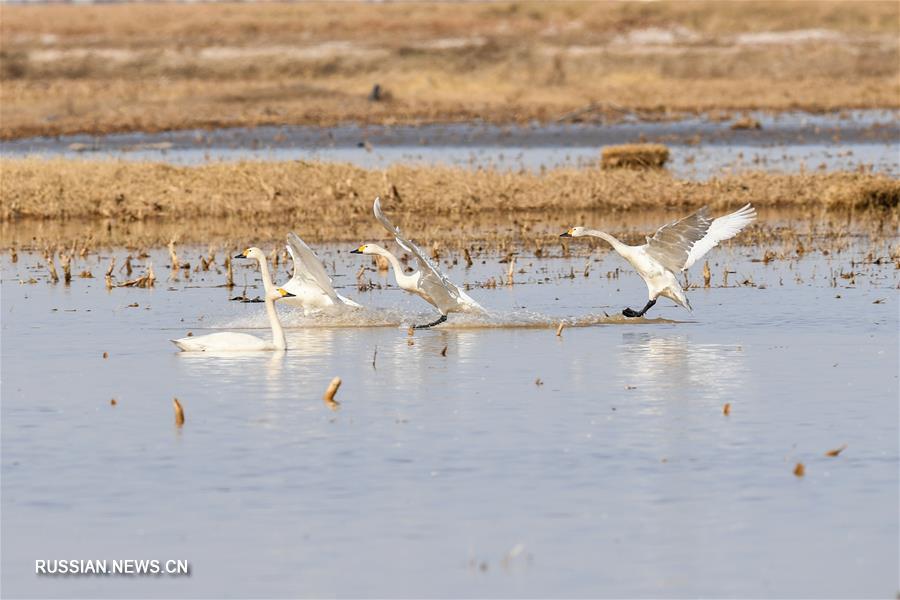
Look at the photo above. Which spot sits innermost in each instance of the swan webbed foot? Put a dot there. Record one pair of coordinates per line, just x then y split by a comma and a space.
426, 326
630, 313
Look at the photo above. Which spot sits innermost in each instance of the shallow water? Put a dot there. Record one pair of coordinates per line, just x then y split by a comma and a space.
459, 475
700, 148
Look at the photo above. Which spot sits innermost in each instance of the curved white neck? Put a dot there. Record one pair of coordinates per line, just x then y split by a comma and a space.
400, 275
616, 244
278, 339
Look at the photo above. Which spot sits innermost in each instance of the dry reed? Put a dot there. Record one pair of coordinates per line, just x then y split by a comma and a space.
634, 156
337, 193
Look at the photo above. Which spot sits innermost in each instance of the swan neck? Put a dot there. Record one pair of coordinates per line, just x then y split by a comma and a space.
609, 238
266, 276
268, 287
398, 268
277, 332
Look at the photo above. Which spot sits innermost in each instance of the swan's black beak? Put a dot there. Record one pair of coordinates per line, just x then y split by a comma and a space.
357, 251
285, 294
566, 234
240, 256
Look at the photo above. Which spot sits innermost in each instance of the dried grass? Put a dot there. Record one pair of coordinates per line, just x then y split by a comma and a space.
334, 195
634, 156
104, 68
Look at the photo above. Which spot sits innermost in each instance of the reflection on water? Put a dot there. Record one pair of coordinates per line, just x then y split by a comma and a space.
667, 363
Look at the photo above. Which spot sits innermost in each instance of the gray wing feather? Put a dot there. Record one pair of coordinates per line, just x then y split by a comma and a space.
425, 265
671, 245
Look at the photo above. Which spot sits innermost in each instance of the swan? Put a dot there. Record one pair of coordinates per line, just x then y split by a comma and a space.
228, 341
428, 282
310, 285
672, 249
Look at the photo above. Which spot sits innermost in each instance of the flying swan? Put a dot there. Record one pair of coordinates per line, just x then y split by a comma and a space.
428, 282
674, 248
228, 341
310, 284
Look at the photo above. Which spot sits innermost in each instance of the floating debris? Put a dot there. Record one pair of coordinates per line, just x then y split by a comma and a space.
836, 451
799, 470
726, 410
179, 412
106, 355
330, 392
559, 329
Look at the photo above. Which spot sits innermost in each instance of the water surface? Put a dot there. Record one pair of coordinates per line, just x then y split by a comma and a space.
518, 463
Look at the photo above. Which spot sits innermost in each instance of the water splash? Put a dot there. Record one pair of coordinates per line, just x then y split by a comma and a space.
390, 317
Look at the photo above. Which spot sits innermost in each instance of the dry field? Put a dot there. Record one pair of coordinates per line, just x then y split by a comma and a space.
105, 68
332, 201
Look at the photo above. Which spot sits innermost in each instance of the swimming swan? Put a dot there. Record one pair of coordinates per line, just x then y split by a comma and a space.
228, 341
428, 282
674, 248
310, 284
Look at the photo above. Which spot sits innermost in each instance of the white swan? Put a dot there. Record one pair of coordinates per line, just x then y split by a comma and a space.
310, 285
428, 282
674, 248
228, 341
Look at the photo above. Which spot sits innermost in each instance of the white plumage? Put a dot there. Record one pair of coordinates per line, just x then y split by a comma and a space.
310, 284
672, 249
229, 341
428, 282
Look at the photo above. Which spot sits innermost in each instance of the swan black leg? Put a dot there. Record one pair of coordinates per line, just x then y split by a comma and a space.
438, 322
630, 313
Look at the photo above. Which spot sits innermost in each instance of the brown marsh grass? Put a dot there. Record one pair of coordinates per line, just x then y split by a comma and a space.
154, 203
102, 68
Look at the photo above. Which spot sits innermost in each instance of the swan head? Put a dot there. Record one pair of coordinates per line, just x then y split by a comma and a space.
252, 252
573, 232
279, 293
369, 249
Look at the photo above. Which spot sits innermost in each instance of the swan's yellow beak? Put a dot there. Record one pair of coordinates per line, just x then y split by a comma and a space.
566, 234
285, 294
243, 254
359, 250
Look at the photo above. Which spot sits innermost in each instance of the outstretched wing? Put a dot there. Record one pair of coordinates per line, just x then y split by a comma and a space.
671, 244
425, 265
723, 228
308, 268
432, 280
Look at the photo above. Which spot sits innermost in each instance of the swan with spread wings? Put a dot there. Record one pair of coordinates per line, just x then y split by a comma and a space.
674, 248
310, 285
428, 282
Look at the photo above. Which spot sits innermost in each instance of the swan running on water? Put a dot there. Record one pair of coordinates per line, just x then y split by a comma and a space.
310, 285
674, 248
228, 341
428, 282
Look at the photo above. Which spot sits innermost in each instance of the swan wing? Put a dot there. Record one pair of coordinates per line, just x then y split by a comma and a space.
722, 228
308, 268
671, 245
443, 292
425, 265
